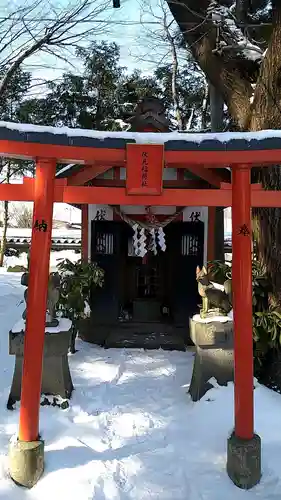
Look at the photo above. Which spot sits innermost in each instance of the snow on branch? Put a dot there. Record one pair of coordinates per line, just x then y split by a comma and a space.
229, 36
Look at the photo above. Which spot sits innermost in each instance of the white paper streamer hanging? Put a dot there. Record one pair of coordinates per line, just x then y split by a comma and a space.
161, 239
139, 241
153, 241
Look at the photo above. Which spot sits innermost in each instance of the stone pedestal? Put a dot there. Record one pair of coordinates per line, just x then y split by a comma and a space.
56, 378
26, 462
244, 461
214, 354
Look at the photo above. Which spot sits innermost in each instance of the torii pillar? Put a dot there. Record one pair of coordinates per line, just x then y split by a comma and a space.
244, 446
26, 454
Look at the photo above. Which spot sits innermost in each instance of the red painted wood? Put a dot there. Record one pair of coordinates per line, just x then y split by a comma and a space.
84, 233
260, 198
37, 298
17, 192
221, 159
64, 154
119, 196
254, 187
195, 184
149, 128
206, 174
145, 163
86, 174
117, 157
242, 301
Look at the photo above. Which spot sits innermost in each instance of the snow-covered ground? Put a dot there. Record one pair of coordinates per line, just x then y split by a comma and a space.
55, 258
132, 432
16, 232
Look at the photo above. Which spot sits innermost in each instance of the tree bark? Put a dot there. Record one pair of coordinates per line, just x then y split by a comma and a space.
250, 108
230, 76
205, 101
242, 9
266, 106
266, 114
216, 105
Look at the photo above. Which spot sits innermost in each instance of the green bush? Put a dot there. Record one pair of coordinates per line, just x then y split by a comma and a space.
79, 280
16, 269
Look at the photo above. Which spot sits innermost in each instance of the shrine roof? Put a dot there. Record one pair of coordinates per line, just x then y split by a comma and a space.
173, 141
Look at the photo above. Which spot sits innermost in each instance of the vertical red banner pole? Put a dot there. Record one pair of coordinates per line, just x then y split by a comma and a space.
37, 298
242, 300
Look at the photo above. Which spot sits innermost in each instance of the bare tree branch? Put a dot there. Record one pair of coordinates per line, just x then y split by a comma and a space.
25, 32
164, 36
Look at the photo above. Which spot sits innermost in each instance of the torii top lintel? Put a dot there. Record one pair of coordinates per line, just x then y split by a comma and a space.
180, 149
144, 155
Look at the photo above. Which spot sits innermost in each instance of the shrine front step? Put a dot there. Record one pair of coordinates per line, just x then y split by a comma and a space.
140, 340
146, 335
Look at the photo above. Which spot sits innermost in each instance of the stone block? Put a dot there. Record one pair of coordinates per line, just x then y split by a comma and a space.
55, 344
26, 462
212, 334
213, 357
56, 377
244, 461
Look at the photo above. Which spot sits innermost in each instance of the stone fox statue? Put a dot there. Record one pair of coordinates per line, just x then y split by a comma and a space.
52, 297
212, 297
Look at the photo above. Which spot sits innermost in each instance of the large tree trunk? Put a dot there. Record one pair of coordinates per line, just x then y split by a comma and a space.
233, 74
266, 114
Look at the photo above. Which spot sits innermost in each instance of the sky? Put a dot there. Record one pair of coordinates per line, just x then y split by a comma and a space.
125, 29
133, 38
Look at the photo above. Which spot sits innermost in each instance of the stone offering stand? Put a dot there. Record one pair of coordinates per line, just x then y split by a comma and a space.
56, 378
213, 338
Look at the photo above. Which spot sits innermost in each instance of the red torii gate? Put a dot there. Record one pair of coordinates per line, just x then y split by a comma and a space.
144, 163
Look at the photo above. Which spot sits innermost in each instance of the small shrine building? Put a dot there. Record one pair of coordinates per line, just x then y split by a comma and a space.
149, 253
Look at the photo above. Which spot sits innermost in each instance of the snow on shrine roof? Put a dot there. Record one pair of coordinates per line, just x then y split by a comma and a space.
223, 141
